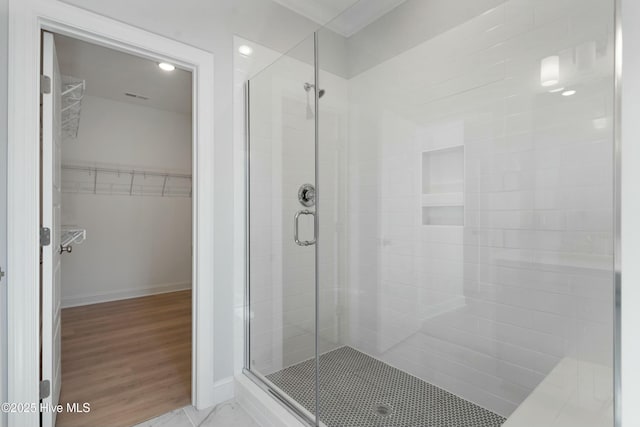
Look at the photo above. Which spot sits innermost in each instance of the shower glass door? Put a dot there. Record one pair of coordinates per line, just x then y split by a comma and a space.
282, 229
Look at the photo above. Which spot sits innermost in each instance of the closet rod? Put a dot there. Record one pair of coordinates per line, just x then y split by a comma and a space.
124, 171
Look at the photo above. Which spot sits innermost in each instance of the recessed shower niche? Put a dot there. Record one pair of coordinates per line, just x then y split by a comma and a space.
443, 186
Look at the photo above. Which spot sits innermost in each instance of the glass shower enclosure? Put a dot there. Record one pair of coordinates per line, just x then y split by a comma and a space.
430, 218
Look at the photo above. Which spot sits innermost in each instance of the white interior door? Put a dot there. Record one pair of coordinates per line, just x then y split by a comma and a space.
51, 200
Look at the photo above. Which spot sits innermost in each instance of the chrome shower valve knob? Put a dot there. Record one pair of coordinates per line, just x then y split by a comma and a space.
307, 195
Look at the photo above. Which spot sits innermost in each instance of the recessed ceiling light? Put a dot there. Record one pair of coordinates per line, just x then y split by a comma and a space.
568, 92
245, 50
166, 66
556, 90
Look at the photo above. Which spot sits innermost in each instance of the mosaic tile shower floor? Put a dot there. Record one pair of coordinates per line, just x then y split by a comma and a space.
360, 391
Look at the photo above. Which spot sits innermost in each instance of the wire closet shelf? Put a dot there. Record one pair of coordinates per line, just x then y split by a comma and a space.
124, 181
72, 94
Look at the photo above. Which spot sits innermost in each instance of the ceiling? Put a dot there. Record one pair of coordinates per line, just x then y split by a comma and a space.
110, 74
352, 15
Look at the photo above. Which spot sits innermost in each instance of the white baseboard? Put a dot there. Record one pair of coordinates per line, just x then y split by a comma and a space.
223, 390
120, 295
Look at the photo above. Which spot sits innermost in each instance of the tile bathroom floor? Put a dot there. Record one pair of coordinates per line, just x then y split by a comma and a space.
228, 414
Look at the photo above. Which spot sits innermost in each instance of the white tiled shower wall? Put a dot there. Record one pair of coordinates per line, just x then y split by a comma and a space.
486, 310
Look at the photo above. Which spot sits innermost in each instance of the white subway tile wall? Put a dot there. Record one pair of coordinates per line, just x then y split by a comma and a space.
486, 309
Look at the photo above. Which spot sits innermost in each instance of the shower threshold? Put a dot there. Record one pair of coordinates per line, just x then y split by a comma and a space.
357, 390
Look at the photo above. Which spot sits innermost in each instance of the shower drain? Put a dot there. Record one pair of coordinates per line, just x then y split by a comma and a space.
382, 410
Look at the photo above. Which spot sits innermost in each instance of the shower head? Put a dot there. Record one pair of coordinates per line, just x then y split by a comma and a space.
309, 86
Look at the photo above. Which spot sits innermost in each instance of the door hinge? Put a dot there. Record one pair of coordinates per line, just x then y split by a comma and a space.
2, 274
45, 84
45, 236
45, 389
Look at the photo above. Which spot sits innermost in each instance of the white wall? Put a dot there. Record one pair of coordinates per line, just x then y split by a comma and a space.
3, 202
630, 214
420, 21
488, 309
136, 245
113, 132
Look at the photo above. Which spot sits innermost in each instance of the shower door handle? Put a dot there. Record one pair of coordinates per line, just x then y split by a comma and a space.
296, 220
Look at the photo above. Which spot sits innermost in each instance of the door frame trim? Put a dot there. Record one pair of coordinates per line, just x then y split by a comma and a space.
27, 18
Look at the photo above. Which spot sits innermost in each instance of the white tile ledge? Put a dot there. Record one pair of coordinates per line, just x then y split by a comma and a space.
574, 394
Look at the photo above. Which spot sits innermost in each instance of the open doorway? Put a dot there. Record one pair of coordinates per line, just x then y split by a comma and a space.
119, 198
